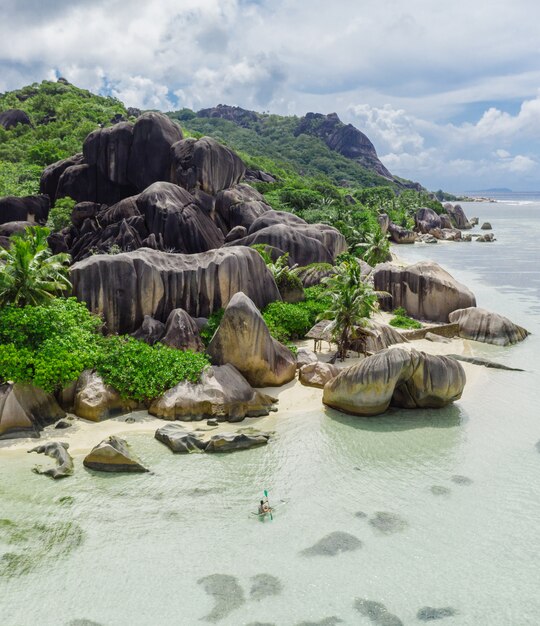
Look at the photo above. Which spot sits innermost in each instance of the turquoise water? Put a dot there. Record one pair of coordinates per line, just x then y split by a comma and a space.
178, 546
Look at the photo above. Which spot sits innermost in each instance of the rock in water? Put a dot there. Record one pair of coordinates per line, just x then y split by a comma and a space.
264, 585
222, 393
179, 440
424, 289
228, 442
407, 379
481, 325
123, 288
429, 613
377, 613
388, 523
25, 410
458, 217
59, 452
333, 544
181, 332
483, 362
113, 455
317, 374
95, 401
243, 340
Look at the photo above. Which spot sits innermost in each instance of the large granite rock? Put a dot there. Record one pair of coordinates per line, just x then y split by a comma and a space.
26, 209
313, 274
457, 215
126, 287
182, 332
12, 117
243, 340
25, 410
240, 205
424, 289
486, 326
59, 452
113, 455
228, 442
396, 377
222, 393
51, 175
171, 213
205, 164
179, 440
108, 149
317, 374
401, 235
426, 220
95, 401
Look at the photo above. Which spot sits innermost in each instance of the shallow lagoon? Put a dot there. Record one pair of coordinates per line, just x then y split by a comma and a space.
433, 508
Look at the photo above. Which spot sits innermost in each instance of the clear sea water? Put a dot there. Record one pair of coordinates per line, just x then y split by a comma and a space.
132, 550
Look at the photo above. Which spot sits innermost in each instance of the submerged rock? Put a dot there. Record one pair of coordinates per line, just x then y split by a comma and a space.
227, 442
424, 290
440, 490
264, 585
59, 452
429, 613
113, 455
488, 327
461, 480
179, 440
333, 544
227, 593
377, 613
397, 377
243, 340
326, 621
388, 523
483, 362
25, 410
222, 393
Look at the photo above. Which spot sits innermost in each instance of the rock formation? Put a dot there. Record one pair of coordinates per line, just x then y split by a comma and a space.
424, 289
458, 217
59, 452
126, 287
398, 234
222, 393
181, 332
317, 374
27, 209
150, 331
25, 410
243, 340
481, 325
228, 442
179, 440
240, 205
12, 117
113, 455
395, 377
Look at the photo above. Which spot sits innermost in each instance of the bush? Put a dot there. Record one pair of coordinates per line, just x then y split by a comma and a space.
213, 322
142, 372
60, 214
402, 320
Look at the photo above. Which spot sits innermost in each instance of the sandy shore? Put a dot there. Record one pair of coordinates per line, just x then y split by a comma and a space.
293, 397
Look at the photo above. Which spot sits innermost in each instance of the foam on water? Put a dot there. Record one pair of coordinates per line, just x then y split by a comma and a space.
179, 545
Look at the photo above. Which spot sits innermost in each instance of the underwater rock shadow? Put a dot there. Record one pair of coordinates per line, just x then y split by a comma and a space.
396, 419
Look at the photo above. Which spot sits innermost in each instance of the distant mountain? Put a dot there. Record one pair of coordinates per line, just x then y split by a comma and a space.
492, 190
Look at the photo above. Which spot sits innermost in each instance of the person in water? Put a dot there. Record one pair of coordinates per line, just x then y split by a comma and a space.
264, 507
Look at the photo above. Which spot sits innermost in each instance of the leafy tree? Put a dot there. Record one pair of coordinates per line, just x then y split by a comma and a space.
29, 272
60, 213
351, 304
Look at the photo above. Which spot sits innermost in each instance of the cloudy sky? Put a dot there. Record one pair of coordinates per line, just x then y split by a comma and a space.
449, 92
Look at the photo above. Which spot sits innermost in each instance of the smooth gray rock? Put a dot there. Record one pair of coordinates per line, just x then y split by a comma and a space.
240, 206
243, 340
424, 290
488, 327
125, 287
333, 544
113, 455
59, 452
485, 226
222, 393
458, 217
317, 374
150, 331
179, 440
181, 332
403, 378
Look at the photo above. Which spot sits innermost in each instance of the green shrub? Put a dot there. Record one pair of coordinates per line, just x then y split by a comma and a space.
142, 372
60, 214
213, 323
402, 320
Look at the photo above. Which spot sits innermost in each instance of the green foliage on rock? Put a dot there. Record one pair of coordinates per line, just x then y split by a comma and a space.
142, 372
29, 272
60, 213
402, 320
213, 323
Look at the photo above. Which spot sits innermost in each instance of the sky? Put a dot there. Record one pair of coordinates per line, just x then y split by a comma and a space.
448, 92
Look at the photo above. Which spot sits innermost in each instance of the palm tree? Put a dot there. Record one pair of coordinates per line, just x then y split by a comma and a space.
352, 303
29, 272
376, 247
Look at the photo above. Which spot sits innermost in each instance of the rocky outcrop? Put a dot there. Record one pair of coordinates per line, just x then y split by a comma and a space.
125, 287
95, 401
240, 206
487, 327
243, 340
113, 455
304, 356
381, 336
25, 410
151, 331
181, 332
239, 116
426, 220
395, 377
457, 216
205, 164
317, 374
59, 452
487, 237
485, 226
51, 175
424, 290
313, 274
398, 234
179, 440
12, 117
228, 442
222, 393
26, 209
